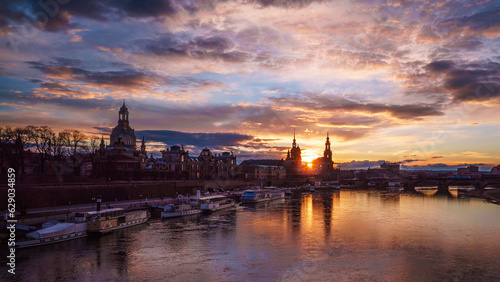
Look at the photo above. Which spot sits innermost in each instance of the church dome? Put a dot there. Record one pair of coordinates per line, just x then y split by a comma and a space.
127, 139
123, 131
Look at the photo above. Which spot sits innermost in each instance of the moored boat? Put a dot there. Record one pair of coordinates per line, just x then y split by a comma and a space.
54, 234
175, 210
258, 195
112, 219
216, 203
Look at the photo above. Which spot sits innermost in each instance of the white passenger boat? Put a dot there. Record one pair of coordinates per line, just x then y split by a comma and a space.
111, 219
214, 203
259, 195
54, 234
175, 210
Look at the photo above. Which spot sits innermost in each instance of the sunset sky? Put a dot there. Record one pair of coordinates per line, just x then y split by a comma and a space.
416, 82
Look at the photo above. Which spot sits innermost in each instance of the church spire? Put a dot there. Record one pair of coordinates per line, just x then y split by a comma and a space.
328, 152
123, 115
143, 146
294, 154
102, 145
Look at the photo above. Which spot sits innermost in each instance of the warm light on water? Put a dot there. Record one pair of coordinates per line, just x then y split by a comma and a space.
322, 236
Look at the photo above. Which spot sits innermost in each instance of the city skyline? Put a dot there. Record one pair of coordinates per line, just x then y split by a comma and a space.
415, 83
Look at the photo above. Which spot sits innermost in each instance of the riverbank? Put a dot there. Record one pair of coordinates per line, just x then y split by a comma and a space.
43, 195
492, 195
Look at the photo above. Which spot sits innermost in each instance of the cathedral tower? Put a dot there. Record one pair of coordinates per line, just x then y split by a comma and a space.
327, 154
143, 146
123, 134
293, 161
295, 152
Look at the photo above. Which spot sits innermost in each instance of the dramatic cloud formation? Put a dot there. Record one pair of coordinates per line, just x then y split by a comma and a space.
415, 82
315, 102
198, 139
469, 82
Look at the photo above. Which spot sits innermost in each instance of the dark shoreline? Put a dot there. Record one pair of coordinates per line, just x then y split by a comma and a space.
492, 196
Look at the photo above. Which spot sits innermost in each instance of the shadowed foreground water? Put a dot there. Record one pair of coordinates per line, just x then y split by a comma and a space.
326, 236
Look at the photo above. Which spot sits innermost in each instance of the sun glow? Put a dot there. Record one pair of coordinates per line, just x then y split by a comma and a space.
308, 159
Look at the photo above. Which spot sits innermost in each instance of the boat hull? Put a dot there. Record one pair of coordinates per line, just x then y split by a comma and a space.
218, 207
264, 199
165, 215
50, 240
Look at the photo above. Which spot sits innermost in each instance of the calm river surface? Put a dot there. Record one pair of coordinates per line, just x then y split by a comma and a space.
323, 236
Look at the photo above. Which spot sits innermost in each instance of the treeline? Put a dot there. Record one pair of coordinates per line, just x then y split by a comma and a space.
65, 151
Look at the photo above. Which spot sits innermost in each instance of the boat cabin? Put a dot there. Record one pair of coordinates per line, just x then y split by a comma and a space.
95, 215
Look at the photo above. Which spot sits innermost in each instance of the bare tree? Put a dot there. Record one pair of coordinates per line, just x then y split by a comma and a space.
61, 150
60, 145
76, 144
77, 141
6, 147
93, 147
94, 143
41, 138
21, 145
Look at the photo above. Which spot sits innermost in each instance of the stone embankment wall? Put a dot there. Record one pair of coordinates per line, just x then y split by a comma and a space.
39, 196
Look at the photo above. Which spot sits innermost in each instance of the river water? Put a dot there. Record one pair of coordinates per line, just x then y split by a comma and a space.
321, 236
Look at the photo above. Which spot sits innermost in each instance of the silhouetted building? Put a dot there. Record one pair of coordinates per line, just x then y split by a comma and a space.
176, 163
121, 159
472, 171
495, 169
123, 133
263, 169
323, 166
262, 162
293, 161
394, 167
386, 171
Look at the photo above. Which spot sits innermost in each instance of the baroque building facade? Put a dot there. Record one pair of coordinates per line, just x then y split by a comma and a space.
264, 169
175, 163
123, 133
121, 159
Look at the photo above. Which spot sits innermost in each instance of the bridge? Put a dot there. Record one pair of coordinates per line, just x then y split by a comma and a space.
443, 183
